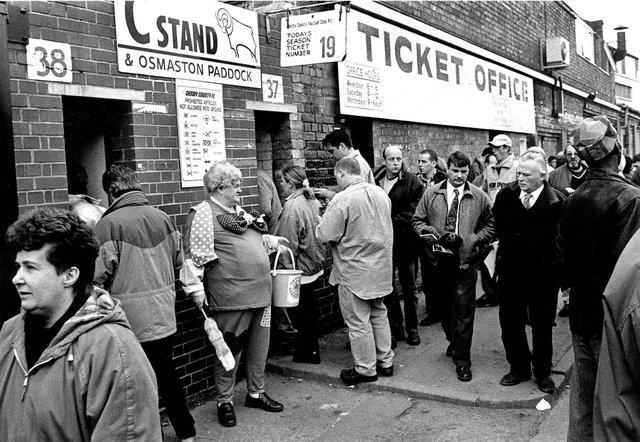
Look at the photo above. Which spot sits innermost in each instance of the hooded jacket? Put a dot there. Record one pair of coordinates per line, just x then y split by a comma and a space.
92, 382
298, 223
140, 252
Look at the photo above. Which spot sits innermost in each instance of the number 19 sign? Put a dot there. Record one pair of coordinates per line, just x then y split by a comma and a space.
49, 61
313, 38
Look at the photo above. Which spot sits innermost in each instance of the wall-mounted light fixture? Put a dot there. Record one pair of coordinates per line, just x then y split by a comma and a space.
592, 96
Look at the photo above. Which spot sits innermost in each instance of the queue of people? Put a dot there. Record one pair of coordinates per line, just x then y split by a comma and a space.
98, 306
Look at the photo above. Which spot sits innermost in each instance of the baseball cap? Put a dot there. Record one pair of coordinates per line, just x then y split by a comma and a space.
500, 140
594, 138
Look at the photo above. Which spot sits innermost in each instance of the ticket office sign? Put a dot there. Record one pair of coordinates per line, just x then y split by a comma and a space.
189, 39
428, 82
200, 129
313, 38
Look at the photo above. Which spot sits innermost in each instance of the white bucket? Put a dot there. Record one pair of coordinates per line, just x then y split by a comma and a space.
286, 284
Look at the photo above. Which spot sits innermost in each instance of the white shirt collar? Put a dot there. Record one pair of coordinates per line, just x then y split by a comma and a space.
534, 195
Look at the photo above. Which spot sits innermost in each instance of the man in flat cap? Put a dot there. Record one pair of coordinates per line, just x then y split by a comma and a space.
598, 220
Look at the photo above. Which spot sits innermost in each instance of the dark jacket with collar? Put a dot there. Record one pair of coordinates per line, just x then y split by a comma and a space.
528, 236
597, 222
404, 195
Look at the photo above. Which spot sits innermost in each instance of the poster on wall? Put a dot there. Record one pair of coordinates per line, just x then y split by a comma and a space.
189, 39
313, 38
200, 129
393, 73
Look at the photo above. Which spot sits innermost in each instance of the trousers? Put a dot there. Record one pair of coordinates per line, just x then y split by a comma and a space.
160, 355
369, 332
244, 331
406, 265
455, 293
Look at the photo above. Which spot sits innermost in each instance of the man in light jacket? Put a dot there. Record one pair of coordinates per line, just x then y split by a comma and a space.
357, 225
455, 222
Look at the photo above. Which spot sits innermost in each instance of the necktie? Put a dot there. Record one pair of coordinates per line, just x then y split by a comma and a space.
452, 216
526, 201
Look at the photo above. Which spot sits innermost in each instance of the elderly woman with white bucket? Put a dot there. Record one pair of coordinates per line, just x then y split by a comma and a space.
298, 221
227, 267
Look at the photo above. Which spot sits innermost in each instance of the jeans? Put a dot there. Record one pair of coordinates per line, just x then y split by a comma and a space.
160, 355
369, 332
406, 265
243, 330
586, 353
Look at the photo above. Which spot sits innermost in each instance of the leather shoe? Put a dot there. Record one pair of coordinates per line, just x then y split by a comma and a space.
514, 378
351, 377
486, 301
464, 373
226, 415
429, 320
450, 350
564, 311
263, 402
413, 338
384, 371
546, 385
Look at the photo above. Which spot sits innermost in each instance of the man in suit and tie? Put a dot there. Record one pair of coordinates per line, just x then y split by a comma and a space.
527, 214
455, 221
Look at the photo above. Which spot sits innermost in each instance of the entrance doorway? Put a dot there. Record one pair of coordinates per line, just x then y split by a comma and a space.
90, 127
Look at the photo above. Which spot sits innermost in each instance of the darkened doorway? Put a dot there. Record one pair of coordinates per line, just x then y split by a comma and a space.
361, 130
90, 127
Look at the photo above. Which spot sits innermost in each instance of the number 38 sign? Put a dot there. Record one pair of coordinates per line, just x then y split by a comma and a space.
49, 61
313, 38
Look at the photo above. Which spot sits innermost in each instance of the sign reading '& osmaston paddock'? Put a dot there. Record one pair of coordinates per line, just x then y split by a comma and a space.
395, 74
189, 39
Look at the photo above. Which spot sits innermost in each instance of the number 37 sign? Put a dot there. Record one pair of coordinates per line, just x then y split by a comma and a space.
49, 61
313, 38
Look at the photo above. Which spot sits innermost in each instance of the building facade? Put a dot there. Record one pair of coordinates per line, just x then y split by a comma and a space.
168, 87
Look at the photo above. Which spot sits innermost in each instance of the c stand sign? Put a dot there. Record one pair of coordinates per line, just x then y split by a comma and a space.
313, 38
189, 39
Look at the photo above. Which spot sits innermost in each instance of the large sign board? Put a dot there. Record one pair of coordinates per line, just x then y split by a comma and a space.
313, 38
396, 74
189, 39
200, 129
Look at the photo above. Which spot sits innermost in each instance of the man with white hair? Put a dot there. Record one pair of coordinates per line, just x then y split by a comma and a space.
527, 214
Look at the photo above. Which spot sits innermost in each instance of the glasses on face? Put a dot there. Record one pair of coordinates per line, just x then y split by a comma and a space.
570, 154
235, 186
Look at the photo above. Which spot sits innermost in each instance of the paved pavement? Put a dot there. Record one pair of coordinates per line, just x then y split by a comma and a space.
424, 372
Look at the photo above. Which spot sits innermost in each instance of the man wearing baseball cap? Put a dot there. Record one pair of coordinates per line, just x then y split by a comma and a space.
598, 220
498, 175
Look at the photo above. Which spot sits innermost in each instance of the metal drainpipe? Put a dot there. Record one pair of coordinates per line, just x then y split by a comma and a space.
9, 301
